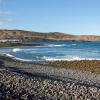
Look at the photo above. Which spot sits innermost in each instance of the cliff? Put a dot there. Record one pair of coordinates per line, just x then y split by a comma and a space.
38, 36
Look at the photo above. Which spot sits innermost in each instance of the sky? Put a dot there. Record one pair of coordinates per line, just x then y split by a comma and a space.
67, 16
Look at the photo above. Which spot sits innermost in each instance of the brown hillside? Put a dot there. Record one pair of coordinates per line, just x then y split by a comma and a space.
37, 36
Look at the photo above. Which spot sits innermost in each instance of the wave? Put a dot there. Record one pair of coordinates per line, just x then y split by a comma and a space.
66, 58
16, 50
74, 44
56, 45
22, 60
16, 58
45, 58
49, 45
59, 45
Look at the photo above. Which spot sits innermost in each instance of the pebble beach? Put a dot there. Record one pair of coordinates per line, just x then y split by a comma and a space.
14, 86
26, 81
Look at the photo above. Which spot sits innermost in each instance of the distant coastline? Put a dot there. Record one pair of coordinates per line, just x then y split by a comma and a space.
16, 44
21, 35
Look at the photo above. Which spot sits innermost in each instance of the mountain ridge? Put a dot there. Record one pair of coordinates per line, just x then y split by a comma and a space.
24, 35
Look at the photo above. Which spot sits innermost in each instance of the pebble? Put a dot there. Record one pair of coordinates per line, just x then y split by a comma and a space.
15, 86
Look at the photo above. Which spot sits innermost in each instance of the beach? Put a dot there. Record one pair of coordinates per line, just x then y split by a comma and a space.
52, 78
49, 50
34, 81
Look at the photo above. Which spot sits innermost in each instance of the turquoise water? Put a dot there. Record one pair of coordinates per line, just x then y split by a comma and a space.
55, 51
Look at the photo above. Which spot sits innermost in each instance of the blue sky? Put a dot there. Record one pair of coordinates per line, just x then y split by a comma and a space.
68, 16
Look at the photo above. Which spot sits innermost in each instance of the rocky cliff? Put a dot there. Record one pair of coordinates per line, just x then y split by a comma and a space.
38, 36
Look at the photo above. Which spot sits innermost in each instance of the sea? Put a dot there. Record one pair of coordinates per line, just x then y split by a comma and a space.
53, 51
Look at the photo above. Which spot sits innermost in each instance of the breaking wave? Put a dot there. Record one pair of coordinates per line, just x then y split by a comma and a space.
20, 59
16, 58
66, 58
74, 44
16, 50
45, 58
56, 45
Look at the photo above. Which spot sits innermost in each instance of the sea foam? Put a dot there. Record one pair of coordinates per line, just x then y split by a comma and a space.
56, 45
66, 58
16, 50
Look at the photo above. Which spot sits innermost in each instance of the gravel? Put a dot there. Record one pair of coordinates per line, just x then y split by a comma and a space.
26, 81
58, 72
14, 86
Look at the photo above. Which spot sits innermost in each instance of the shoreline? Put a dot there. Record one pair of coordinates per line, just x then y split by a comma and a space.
51, 69
29, 81
92, 66
17, 44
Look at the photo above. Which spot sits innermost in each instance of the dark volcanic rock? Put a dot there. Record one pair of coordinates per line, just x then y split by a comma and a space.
15, 86
14, 44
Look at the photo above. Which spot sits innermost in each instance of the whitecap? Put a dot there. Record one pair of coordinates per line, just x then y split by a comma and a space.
67, 58
16, 50
16, 58
74, 44
56, 45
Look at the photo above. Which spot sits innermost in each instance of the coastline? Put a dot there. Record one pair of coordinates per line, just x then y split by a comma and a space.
23, 80
48, 80
74, 70
16, 44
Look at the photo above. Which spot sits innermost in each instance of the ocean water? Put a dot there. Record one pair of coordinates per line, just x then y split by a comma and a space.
53, 51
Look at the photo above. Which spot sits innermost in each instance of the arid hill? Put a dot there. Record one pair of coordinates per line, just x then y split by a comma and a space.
39, 36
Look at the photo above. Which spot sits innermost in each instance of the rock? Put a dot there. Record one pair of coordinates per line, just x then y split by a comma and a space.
16, 86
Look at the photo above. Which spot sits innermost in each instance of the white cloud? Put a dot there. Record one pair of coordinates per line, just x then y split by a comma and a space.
5, 16
6, 20
5, 13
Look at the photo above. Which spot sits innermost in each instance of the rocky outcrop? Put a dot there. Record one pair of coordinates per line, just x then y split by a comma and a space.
37, 36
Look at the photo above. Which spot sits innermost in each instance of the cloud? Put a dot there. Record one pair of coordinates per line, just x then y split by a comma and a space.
5, 13
3, 21
6, 20
5, 16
